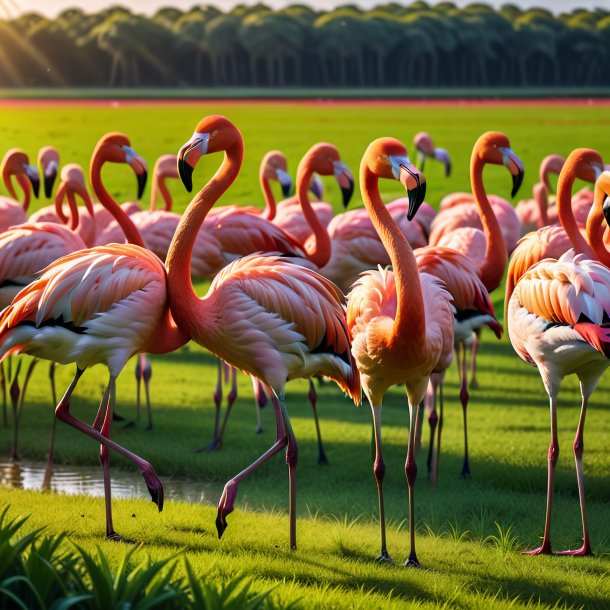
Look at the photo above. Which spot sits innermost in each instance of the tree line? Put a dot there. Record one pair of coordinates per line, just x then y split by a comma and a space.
391, 45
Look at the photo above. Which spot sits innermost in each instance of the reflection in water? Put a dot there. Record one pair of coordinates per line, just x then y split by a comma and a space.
87, 480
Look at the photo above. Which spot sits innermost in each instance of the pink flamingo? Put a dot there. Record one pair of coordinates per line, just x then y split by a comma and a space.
48, 160
401, 322
101, 305
284, 321
425, 149
16, 163
557, 321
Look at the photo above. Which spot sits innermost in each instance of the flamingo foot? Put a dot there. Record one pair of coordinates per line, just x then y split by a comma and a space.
322, 459
214, 445
465, 469
114, 537
259, 430
155, 487
117, 417
225, 506
544, 549
412, 561
384, 557
583, 551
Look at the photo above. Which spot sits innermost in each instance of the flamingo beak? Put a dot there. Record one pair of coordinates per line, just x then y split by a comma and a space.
515, 167
50, 175
31, 172
413, 180
440, 154
285, 181
188, 156
345, 180
316, 187
606, 209
138, 164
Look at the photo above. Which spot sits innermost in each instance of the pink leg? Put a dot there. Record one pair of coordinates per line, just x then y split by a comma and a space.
155, 487
3, 390
260, 400
14, 393
545, 547
579, 446
313, 400
464, 398
432, 422
411, 472
49, 467
474, 349
146, 376
437, 456
379, 472
230, 402
227, 500
213, 444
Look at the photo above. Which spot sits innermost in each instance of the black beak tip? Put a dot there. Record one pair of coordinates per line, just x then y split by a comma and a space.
517, 182
49, 181
141, 183
221, 525
416, 198
447, 169
36, 187
185, 171
286, 188
347, 193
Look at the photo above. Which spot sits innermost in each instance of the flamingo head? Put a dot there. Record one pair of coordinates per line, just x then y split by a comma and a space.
72, 181
274, 167
551, 164
494, 147
324, 160
116, 148
587, 162
440, 154
388, 158
48, 161
214, 133
16, 163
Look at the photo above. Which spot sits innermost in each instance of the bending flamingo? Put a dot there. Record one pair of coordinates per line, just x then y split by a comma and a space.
48, 160
16, 163
97, 306
401, 322
426, 150
558, 322
284, 321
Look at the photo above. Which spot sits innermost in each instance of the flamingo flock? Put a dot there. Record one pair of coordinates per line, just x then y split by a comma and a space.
381, 295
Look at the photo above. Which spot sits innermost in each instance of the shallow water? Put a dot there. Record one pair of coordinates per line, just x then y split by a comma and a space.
87, 480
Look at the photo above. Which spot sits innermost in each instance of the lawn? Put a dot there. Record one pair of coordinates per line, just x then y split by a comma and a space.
469, 532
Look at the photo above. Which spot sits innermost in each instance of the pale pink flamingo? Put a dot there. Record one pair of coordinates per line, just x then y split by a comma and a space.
48, 161
426, 150
284, 321
16, 163
400, 321
97, 306
558, 322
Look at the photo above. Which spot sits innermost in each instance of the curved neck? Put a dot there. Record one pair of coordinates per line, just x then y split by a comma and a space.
410, 321
318, 251
95, 175
23, 183
74, 217
596, 225
159, 186
493, 264
541, 198
564, 208
269, 211
185, 304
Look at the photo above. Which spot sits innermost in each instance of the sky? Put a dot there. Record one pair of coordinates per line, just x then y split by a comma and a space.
53, 7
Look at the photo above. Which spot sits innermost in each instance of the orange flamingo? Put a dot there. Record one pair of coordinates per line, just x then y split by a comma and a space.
401, 322
272, 319
16, 163
558, 322
48, 161
100, 305
426, 150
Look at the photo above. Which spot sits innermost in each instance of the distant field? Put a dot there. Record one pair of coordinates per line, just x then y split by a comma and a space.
337, 504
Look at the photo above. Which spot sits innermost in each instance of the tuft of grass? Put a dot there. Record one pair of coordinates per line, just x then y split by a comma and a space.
505, 540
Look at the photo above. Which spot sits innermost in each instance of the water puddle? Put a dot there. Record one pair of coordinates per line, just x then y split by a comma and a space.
87, 480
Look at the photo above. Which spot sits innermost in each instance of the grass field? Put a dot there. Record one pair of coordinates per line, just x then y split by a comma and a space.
469, 532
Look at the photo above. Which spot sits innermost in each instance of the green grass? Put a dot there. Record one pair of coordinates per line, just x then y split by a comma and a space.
469, 532
301, 92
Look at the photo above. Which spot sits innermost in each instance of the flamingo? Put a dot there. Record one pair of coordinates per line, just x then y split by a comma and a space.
425, 149
558, 322
272, 319
400, 322
48, 160
98, 306
16, 163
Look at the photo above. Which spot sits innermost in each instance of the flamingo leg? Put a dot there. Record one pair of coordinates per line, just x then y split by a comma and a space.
14, 394
213, 444
138, 373
379, 472
3, 390
464, 398
260, 400
230, 402
432, 422
146, 375
313, 401
411, 472
227, 500
155, 487
474, 349
292, 458
49, 467
439, 429
579, 446
545, 547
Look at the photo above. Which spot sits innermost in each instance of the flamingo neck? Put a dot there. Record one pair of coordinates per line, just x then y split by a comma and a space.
493, 264
24, 183
74, 216
318, 249
541, 199
269, 211
187, 308
159, 186
564, 208
596, 227
105, 198
167, 337
410, 321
